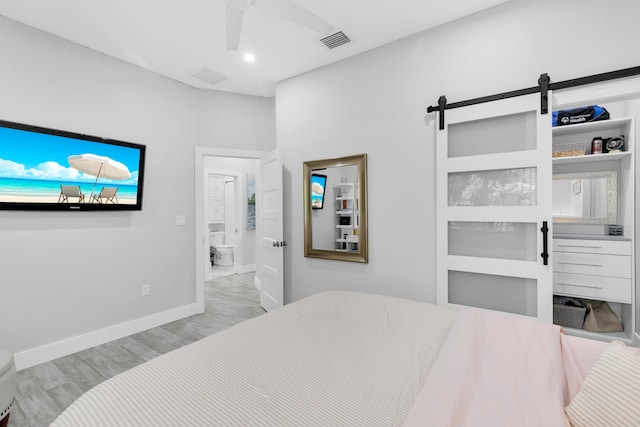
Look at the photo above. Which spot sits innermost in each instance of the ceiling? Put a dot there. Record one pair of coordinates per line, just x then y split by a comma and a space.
178, 39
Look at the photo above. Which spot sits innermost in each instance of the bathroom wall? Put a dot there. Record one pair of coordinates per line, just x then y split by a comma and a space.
216, 198
230, 208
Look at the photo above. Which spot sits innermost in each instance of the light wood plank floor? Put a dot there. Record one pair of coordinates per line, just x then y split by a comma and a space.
45, 390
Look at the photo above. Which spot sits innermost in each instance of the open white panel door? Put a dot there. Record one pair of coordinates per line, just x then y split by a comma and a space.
493, 198
270, 228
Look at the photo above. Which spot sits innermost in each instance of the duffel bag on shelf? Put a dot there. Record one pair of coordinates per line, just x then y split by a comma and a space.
573, 116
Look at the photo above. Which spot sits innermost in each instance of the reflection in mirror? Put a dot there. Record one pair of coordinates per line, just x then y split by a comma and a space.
341, 215
585, 197
335, 211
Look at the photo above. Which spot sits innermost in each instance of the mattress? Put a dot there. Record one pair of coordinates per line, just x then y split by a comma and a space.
335, 358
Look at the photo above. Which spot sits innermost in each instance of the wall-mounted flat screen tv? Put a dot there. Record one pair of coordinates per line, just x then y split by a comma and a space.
318, 185
47, 169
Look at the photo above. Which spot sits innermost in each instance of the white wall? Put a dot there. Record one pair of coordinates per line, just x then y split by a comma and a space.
227, 120
376, 103
65, 274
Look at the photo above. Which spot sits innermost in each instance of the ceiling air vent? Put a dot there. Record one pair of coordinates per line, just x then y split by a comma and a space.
210, 76
335, 40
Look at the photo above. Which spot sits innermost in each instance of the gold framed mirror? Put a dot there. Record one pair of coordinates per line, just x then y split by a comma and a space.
335, 209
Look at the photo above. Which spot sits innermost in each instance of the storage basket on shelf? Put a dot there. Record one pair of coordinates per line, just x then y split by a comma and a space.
569, 316
568, 311
570, 149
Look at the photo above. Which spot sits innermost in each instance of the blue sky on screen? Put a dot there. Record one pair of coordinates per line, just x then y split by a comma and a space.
33, 155
321, 180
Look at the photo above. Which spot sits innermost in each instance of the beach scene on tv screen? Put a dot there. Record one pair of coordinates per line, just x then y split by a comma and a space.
317, 191
42, 168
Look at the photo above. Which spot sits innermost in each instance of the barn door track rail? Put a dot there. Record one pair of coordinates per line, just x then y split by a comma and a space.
544, 86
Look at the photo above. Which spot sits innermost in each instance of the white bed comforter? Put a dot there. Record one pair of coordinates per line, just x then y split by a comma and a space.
333, 359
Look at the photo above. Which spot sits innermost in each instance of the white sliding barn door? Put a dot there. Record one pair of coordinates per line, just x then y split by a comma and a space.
493, 193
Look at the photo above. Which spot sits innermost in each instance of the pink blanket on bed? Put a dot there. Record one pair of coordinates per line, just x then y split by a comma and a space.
490, 373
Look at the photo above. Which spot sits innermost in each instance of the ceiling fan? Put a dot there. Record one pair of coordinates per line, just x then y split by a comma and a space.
285, 9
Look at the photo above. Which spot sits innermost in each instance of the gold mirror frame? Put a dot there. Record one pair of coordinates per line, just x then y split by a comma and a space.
362, 254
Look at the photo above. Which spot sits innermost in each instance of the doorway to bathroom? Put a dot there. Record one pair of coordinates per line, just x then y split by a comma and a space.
260, 224
229, 210
221, 207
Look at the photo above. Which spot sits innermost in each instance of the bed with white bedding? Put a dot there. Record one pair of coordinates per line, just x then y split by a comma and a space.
351, 359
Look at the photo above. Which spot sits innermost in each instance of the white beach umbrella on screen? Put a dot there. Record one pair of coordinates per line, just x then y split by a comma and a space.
100, 167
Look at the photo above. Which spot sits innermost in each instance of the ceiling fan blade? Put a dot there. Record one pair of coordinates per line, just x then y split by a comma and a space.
287, 9
234, 27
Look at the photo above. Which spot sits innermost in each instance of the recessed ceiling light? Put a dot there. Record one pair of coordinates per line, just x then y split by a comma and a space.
249, 57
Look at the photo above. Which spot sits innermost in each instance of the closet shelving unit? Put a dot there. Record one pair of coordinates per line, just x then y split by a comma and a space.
589, 264
346, 218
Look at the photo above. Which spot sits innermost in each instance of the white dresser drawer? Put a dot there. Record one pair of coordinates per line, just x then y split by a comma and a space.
592, 264
592, 287
611, 247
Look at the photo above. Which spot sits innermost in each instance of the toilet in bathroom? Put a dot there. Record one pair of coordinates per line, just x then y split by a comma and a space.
223, 253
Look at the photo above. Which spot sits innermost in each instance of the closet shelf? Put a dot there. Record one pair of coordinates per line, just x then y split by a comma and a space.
600, 126
590, 157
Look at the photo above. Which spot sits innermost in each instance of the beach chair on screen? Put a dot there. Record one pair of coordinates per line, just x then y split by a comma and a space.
67, 191
107, 195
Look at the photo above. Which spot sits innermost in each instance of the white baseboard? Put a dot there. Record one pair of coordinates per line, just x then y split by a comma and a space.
35, 356
256, 281
246, 268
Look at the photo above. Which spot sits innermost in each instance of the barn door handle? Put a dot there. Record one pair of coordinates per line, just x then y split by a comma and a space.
545, 243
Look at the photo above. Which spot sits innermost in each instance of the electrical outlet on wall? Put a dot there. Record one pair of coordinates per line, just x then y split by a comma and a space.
146, 289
